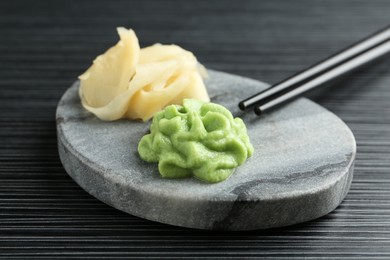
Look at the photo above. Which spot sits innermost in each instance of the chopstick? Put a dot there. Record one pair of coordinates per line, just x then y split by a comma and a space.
352, 57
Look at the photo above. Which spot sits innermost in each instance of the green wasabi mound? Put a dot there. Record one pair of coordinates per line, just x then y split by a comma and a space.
196, 139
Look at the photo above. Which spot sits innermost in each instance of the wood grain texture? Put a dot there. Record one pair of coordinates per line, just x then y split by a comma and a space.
44, 45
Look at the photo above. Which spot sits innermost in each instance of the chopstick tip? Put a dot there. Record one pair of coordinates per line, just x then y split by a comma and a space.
258, 111
242, 106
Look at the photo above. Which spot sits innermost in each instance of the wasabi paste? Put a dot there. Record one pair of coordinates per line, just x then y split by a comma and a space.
197, 139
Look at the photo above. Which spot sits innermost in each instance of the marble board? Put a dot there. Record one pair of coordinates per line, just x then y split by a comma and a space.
301, 169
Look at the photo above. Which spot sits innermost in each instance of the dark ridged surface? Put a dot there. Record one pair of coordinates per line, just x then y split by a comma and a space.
44, 45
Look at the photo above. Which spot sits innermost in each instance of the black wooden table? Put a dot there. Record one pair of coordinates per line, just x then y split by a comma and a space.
45, 45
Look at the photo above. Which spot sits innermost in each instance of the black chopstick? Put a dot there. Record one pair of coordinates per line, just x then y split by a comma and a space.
344, 61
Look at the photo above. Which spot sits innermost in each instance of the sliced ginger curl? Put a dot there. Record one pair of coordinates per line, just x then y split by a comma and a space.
134, 83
